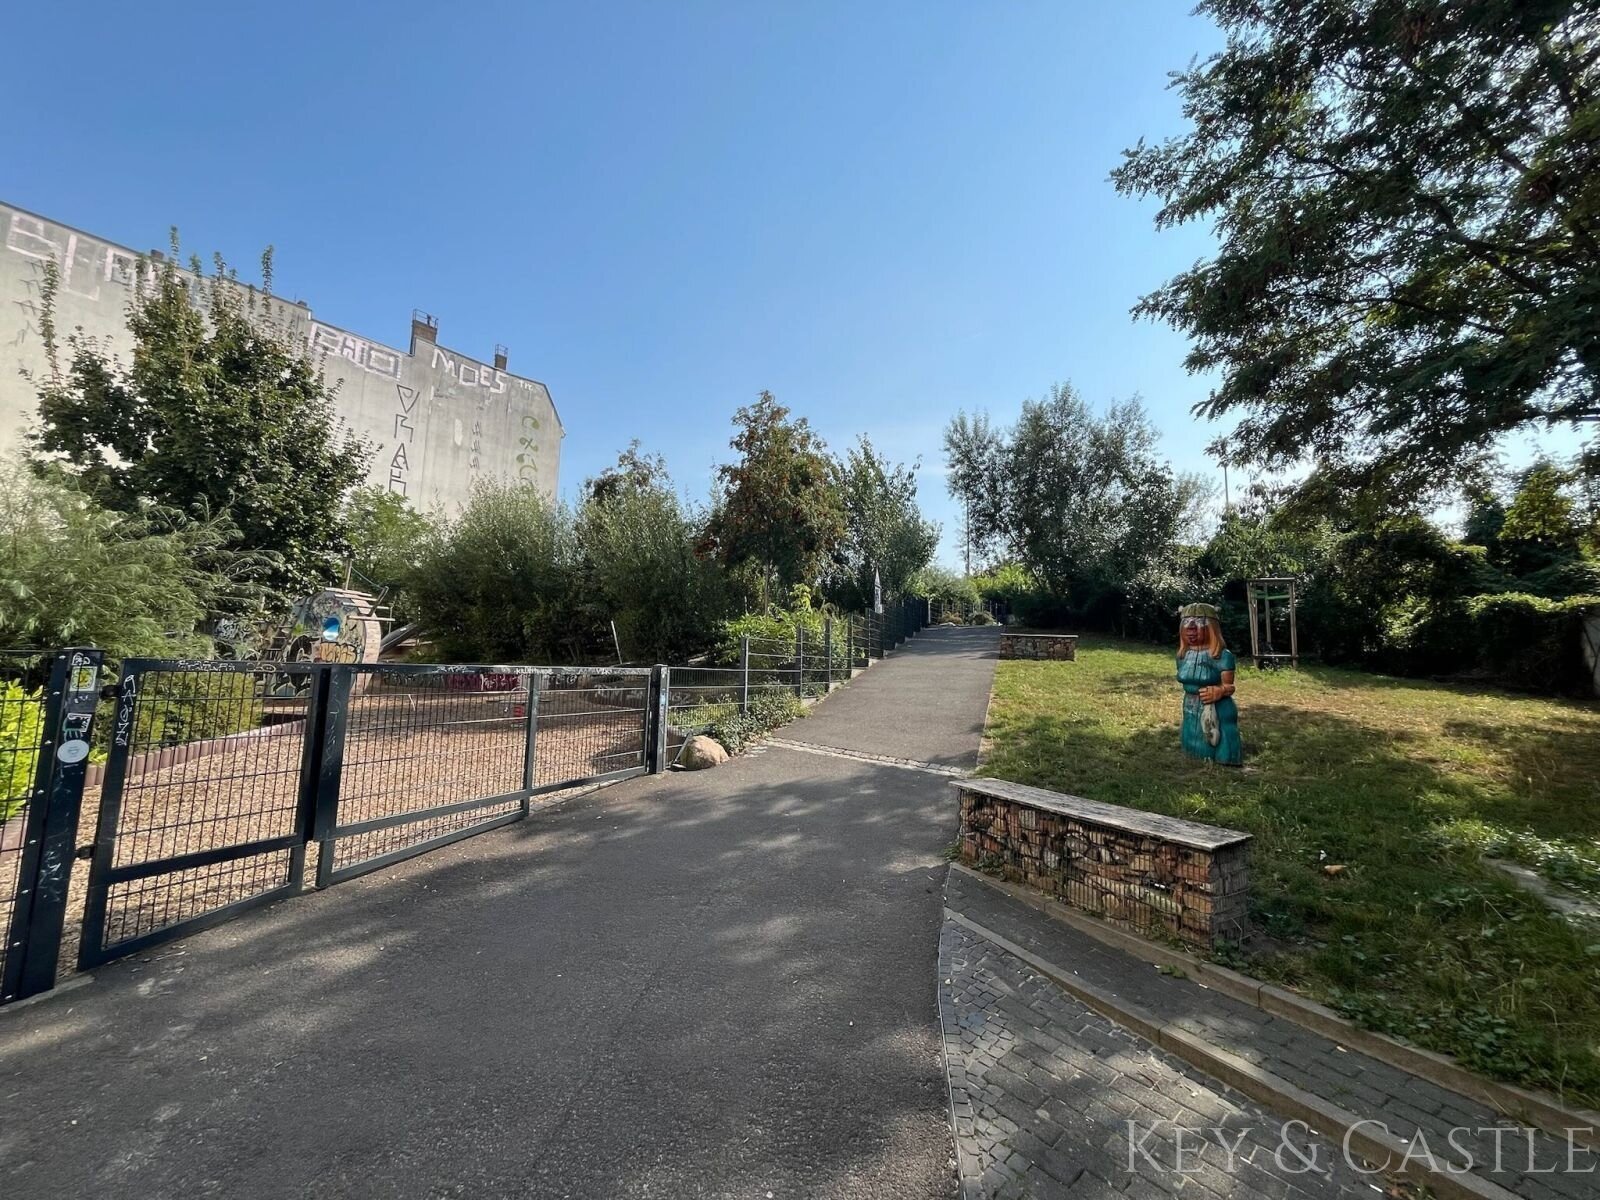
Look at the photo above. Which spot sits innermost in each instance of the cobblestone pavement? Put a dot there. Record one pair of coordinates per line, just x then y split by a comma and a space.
1447, 1123
1050, 1099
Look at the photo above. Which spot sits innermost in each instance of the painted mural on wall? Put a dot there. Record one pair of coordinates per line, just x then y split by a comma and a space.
438, 420
1206, 670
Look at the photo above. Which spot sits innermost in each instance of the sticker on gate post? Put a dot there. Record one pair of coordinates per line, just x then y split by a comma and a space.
85, 676
74, 751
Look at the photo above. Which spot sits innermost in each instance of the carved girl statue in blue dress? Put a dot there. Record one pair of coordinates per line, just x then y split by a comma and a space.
1205, 668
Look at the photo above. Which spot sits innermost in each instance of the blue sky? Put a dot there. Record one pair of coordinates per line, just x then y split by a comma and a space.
883, 213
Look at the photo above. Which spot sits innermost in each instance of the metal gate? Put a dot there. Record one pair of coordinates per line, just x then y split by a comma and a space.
418, 757
222, 777
203, 804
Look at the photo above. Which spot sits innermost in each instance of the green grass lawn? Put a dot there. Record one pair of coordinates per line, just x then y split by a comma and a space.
1407, 785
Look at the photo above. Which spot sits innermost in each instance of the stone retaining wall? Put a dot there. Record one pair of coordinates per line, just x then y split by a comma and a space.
1062, 647
1134, 868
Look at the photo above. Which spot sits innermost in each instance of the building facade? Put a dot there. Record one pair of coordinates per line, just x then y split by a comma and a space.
438, 420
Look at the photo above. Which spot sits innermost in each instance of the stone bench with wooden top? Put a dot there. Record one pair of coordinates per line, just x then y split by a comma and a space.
1137, 869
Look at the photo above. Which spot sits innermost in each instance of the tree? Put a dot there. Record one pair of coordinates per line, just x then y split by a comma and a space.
884, 529
1407, 197
387, 541
497, 585
1090, 508
634, 471
779, 509
219, 415
640, 567
972, 447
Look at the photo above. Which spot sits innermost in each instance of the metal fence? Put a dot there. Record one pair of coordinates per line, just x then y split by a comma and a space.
228, 785
806, 666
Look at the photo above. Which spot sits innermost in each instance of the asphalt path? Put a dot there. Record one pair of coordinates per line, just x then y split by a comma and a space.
707, 984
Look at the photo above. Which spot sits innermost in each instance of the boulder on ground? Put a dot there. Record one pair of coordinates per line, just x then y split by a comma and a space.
701, 752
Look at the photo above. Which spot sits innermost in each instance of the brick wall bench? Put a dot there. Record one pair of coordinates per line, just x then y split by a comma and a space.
1060, 646
1134, 868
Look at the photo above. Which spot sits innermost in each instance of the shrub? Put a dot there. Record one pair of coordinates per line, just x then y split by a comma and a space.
74, 573
980, 617
639, 568
497, 585
21, 730
769, 708
1530, 642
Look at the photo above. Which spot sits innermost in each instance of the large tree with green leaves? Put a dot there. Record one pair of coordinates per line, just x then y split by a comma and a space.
972, 448
219, 414
884, 529
1407, 199
779, 509
1084, 502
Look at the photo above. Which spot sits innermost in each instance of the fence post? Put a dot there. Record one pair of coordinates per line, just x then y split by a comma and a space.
800, 660
330, 711
530, 759
744, 674
655, 740
33, 943
827, 648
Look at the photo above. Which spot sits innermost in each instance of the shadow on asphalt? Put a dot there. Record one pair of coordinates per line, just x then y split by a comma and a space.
688, 984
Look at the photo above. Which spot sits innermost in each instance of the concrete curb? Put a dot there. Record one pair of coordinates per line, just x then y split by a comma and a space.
1528, 1107
1359, 1135
68, 985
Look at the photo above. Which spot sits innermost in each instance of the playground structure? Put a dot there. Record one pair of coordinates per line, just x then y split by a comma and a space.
1260, 595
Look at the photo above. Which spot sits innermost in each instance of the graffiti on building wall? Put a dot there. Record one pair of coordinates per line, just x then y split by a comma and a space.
369, 356
527, 448
84, 263
404, 433
469, 373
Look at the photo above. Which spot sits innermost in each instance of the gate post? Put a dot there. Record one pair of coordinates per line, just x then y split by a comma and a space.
800, 660
33, 943
655, 738
827, 648
530, 758
744, 674
330, 710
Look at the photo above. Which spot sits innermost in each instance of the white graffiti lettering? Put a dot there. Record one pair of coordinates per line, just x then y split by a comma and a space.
469, 373
369, 356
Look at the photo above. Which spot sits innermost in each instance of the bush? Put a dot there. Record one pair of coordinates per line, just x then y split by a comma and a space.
21, 730
74, 573
980, 617
640, 569
498, 584
1528, 641
769, 708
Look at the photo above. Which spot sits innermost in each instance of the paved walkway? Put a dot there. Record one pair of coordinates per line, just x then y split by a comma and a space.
711, 984
1035, 1070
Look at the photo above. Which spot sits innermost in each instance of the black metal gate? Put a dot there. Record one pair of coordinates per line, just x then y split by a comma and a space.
203, 810
417, 757
223, 776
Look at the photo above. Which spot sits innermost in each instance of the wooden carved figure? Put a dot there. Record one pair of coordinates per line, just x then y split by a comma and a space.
1205, 668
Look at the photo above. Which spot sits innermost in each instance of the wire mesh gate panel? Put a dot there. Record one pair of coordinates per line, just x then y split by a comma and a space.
416, 757
202, 812
21, 735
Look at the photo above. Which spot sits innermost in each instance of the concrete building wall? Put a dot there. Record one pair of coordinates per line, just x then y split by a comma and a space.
438, 419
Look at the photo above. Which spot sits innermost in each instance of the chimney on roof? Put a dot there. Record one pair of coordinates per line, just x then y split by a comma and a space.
424, 328
500, 356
